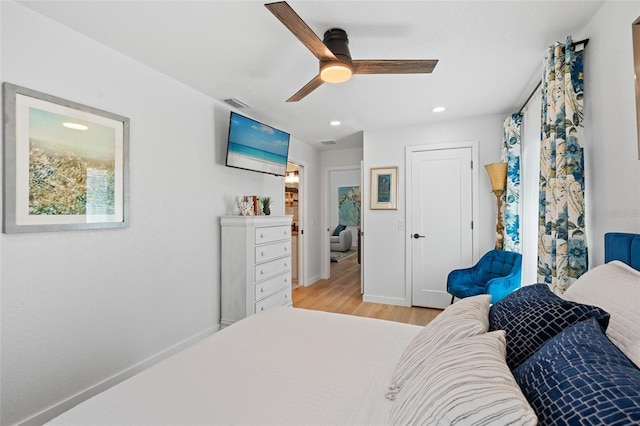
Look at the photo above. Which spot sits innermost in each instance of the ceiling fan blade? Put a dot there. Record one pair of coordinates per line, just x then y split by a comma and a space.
308, 88
301, 30
392, 66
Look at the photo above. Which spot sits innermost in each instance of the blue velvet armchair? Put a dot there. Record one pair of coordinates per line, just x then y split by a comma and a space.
497, 273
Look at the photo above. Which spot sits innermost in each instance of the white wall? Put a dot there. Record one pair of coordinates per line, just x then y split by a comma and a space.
342, 157
612, 168
80, 308
384, 243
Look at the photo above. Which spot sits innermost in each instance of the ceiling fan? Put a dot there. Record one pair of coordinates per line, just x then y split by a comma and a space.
336, 65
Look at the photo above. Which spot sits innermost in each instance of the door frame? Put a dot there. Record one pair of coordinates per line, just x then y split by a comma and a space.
325, 270
409, 151
302, 221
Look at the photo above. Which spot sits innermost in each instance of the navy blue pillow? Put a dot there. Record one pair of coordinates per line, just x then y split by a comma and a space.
338, 230
534, 314
580, 378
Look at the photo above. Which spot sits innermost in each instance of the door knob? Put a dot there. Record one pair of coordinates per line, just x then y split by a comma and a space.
416, 236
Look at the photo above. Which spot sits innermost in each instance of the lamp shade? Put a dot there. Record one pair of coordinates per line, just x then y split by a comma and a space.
498, 175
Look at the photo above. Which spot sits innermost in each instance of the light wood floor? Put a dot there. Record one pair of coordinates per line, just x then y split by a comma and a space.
341, 294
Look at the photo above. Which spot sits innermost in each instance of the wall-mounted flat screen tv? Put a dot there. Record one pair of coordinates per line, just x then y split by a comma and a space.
255, 146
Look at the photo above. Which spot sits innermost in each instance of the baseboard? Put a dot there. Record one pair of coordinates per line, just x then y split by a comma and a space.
313, 280
385, 300
56, 410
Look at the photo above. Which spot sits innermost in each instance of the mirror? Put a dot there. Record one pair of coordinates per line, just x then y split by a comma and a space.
635, 29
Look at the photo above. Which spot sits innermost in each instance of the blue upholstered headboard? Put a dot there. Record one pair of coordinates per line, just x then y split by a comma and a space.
623, 247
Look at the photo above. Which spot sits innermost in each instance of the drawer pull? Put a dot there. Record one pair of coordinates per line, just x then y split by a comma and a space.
262, 253
285, 248
262, 308
261, 289
286, 296
261, 272
285, 264
285, 279
261, 235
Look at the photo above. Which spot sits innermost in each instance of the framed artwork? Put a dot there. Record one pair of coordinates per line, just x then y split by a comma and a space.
384, 188
349, 205
66, 165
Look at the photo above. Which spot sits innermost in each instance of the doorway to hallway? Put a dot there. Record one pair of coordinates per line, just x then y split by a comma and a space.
293, 207
343, 207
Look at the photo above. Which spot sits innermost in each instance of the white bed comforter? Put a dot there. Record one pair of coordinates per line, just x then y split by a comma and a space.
283, 366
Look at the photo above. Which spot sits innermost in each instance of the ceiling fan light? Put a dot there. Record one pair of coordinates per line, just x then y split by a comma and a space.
335, 72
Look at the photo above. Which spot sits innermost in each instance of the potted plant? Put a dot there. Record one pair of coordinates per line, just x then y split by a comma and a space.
266, 205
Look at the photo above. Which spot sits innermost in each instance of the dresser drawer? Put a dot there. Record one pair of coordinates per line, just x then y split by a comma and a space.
267, 287
281, 298
267, 234
271, 251
271, 268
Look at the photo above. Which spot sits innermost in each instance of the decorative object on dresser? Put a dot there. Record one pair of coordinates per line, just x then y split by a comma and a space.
266, 205
245, 205
256, 265
498, 175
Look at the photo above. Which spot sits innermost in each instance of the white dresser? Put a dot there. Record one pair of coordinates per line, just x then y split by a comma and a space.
256, 265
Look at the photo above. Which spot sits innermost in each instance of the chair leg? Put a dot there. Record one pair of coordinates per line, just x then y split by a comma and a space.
452, 297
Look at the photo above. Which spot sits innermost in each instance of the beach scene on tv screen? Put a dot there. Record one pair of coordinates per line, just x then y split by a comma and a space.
256, 146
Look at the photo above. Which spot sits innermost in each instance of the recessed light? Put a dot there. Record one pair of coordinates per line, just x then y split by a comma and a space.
75, 126
335, 123
438, 109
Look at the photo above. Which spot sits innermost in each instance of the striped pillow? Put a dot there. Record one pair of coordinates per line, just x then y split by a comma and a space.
467, 317
466, 382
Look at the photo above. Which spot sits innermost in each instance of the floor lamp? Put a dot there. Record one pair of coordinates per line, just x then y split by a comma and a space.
498, 175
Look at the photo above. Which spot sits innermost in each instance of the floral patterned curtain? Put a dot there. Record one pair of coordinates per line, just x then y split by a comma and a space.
511, 155
562, 245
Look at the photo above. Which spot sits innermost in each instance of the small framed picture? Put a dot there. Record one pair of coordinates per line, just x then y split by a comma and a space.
66, 165
384, 188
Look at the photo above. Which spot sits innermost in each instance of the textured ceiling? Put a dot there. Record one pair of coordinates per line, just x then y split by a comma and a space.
490, 55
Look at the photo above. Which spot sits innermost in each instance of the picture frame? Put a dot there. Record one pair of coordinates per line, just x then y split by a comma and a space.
384, 188
349, 205
66, 165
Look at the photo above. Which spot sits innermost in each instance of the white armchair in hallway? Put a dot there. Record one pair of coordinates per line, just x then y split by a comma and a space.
342, 242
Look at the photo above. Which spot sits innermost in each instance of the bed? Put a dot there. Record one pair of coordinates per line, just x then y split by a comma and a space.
474, 364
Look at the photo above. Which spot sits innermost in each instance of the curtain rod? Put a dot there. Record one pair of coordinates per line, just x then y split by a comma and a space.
575, 43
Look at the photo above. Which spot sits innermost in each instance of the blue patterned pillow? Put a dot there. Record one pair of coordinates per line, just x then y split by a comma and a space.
581, 378
534, 314
338, 230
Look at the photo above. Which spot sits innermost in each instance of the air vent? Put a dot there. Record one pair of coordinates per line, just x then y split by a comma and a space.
237, 103
329, 142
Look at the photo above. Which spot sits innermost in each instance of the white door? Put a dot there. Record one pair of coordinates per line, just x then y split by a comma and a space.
441, 221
